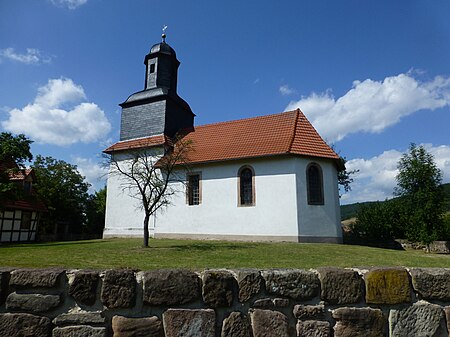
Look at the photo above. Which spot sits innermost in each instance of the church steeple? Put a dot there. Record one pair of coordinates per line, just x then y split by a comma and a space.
158, 109
161, 66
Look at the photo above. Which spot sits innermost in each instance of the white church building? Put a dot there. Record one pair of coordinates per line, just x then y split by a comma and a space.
267, 178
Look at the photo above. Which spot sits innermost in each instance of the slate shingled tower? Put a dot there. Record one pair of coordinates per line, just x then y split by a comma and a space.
156, 110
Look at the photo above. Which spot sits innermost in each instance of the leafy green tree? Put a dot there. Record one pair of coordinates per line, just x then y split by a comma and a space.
419, 187
14, 150
95, 213
64, 191
345, 177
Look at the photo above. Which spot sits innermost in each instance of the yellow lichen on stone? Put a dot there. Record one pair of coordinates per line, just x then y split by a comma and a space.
387, 286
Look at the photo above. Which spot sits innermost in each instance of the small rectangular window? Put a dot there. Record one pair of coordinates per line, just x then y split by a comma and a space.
152, 68
193, 189
26, 220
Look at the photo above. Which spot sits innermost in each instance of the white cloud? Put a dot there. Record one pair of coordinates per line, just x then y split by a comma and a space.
372, 106
32, 56
71, 4
442, 159
52, 119
285, 90
94, 172
376, 177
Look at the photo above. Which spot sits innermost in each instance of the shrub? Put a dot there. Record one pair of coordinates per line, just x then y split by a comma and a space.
381, 221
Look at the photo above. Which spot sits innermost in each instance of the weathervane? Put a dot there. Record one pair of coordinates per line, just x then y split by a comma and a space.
164, 33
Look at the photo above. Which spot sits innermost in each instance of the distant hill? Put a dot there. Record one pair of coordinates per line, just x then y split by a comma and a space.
350, 210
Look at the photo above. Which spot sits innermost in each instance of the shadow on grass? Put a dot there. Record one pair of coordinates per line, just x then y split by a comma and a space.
383, 244
203, 246
52, 244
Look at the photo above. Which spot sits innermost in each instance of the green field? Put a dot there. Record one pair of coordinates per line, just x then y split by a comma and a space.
196, 255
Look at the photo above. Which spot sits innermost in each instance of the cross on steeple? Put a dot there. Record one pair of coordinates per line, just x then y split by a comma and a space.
164, 33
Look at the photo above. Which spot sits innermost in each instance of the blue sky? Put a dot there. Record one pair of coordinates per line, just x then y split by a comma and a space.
372, 76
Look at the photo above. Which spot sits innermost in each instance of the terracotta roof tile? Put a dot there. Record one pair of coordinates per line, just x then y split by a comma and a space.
308, 142
137, 143
13, 171
284, 133
252, 137
29, 202
21, 174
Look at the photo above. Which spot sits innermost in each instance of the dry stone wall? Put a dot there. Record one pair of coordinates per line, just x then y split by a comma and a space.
326, 302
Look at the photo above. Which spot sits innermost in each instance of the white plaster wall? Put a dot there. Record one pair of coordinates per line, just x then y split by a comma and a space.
280, 213
274, 213
124, 216
319, 220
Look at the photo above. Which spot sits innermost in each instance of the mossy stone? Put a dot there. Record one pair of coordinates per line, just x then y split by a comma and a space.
387, 286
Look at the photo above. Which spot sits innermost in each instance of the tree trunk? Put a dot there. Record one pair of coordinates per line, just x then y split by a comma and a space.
146, 234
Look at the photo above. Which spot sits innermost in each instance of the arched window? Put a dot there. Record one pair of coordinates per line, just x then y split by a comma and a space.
314, 181
246, 186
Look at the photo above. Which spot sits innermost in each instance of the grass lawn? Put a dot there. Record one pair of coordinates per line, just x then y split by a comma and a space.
196, 255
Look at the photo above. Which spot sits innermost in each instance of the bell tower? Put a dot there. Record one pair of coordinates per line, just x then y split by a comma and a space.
157, 110
161, 67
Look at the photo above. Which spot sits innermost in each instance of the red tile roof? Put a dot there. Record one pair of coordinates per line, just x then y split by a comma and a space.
14, 171
28, 202
284, 133
21, 174
137, 143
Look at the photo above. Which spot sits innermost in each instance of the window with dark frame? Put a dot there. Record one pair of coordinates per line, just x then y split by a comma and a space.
26, 220
193, 189
152, 68
315, 185
246, 187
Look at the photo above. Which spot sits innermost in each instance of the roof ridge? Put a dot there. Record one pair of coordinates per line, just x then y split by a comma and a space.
284, 133
246, 119
294, 130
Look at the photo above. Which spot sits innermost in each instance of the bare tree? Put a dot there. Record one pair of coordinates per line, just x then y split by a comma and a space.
148, 174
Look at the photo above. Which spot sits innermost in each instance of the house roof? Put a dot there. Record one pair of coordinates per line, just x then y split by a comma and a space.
14, 171
284, 133
16, 174
21, 174
137, 143
29, 204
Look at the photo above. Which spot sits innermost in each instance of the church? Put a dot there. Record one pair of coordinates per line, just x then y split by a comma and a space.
266, 178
